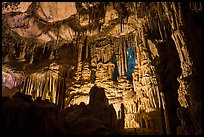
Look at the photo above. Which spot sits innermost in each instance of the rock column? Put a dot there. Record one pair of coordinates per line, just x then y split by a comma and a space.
146, 85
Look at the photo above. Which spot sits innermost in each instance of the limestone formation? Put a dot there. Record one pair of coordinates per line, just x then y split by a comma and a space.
123, 68
52, 12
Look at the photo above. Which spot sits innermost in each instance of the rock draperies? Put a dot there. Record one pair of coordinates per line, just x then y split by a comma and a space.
185, 97
146, 83
186, 66
45, 85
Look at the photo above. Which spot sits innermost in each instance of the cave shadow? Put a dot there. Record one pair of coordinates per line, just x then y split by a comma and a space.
101, 109
169, 70
121, 120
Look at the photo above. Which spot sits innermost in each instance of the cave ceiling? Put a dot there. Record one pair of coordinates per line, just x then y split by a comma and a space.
38, 34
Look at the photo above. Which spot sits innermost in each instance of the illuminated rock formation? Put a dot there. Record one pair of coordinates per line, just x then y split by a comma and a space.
143, 57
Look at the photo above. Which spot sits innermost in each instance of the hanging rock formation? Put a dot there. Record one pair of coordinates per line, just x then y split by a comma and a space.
133, 67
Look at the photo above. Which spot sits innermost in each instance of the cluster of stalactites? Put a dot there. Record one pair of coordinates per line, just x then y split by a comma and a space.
195, 6
43, 84
158, 17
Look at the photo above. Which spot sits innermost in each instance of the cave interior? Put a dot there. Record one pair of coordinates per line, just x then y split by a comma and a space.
106, 68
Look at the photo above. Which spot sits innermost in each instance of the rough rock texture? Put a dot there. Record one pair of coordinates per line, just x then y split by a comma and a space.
56, 11
15, 6
144, 56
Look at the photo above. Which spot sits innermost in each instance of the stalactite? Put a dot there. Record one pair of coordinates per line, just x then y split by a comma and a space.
55, 90
178, 46
50, 86
35, 87
26, 86
159, 11
170, 18
129, 40
158, 95
56, 85
176, 17
52, 54
165, 31
87, 48
132, 39
44, 47
38, 87
43, 86
125, 55
22, 54
161, 35
79, 56
180, 16
29, 88
144, 42
45, 92
32, 58
121, 57
137, 49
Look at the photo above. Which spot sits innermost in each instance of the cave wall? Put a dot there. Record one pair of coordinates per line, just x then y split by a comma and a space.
75, 51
